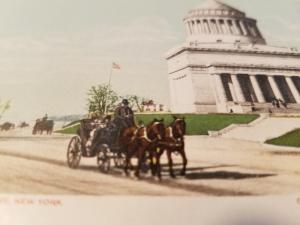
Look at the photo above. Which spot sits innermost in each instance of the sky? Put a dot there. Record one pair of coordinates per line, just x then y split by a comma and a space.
53, 51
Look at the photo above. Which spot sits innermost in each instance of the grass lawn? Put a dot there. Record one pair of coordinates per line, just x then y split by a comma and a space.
69, 130
291, 139
197, 124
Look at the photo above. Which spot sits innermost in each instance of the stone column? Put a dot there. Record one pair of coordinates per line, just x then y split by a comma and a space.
197, 31
238, 89
205, 31
238, 29
190, 27
229, 29
209, 30
193, 27
199, 27
219, 27
234, 26
293, 88
257, 90
275, 88
232, 91
219, 87
245, 31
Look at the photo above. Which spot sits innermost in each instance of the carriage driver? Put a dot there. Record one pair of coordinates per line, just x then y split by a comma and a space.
45, 118
124, 116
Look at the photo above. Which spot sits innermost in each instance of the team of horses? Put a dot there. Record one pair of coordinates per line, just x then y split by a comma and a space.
151, 141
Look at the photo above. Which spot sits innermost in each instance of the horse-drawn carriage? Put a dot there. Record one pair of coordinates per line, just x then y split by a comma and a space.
146, 143
105, 147
42, 125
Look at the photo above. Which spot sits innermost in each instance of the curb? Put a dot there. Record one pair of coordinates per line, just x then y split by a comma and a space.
233, 126
278, 148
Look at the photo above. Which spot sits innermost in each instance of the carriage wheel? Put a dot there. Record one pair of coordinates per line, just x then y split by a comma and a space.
103, 159
74, 152
119, 160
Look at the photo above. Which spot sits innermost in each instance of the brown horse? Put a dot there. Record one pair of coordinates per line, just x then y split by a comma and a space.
136, 141
174, 142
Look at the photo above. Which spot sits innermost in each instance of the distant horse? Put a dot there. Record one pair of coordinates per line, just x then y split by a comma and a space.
7, 126
136, 141
174, 142
43, 125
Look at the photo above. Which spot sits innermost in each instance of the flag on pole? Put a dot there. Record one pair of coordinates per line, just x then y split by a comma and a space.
116, 66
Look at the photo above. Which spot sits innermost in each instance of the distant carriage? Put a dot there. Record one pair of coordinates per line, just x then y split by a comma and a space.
43, 125
7, 126
105, 147
23, 125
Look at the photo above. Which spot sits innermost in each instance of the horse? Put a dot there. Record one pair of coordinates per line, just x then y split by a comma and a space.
136, 141
174, 142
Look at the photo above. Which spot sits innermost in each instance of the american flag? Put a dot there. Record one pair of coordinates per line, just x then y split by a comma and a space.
116, 66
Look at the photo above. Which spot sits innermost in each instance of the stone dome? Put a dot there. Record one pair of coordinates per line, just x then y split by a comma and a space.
216, 22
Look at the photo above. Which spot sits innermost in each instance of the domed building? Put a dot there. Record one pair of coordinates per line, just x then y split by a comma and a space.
225, 65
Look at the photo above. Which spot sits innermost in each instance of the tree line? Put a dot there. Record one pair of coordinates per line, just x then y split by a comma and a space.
102, 97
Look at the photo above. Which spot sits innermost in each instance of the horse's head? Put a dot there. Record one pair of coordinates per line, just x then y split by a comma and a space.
156, 129
179, 127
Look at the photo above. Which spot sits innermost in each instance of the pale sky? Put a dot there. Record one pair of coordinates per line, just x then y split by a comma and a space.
52, 51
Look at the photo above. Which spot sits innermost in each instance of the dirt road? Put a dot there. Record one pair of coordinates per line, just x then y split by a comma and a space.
217, 167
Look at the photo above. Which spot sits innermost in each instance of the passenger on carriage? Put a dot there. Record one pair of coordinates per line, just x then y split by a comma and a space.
96, 124
104, 128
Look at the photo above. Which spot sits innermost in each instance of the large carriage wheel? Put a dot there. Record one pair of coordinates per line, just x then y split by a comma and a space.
103, 159
74, 152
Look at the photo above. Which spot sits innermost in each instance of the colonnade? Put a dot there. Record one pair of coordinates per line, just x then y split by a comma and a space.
256, 88
223, 26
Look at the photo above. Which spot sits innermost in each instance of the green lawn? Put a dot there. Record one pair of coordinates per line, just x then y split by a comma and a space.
291, 139
197, 124
69, 130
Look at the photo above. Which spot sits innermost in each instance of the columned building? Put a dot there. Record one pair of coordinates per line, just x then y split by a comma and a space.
225, 65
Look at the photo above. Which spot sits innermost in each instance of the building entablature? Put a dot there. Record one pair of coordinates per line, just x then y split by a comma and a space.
247, 49
249, 69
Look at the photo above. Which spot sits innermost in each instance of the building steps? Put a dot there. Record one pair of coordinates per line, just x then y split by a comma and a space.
268, 128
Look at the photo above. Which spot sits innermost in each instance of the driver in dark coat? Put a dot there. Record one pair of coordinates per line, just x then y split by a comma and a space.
124, 116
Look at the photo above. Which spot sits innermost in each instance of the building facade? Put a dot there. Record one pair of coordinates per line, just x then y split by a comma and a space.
225, 65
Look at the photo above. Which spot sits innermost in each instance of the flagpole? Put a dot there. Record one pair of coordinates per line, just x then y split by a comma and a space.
108, 89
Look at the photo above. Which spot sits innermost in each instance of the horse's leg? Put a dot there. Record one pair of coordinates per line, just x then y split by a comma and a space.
184, 161
152, 166
128, 156
140, 156
170, 160
127, 162
158, 166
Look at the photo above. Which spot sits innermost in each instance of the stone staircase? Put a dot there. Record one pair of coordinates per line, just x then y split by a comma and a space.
263, 129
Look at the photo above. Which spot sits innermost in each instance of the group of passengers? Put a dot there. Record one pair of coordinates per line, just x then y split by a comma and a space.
123, 118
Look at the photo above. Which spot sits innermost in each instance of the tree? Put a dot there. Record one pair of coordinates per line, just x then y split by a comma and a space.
101, 96
4, 106
136, 101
